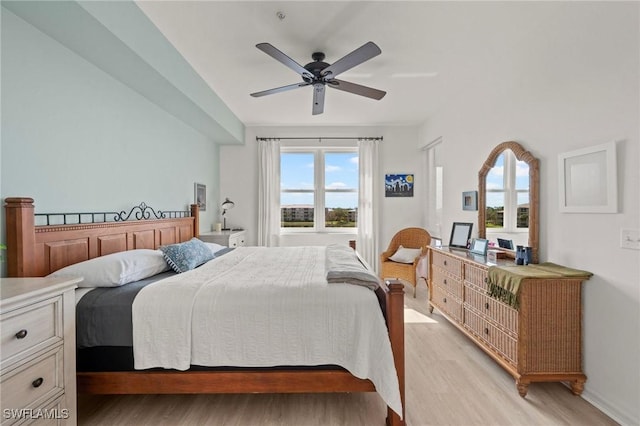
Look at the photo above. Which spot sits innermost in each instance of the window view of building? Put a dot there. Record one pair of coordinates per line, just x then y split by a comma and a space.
319, 188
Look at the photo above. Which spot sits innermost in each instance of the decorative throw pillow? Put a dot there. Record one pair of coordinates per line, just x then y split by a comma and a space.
186, 256
116, 269
405, 255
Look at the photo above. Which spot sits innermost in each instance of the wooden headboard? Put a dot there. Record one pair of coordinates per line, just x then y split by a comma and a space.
37, 250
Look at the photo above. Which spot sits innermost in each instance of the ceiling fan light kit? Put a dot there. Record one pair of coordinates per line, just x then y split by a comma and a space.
320, 74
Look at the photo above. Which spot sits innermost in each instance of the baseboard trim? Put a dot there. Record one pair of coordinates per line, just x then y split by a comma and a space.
615, 412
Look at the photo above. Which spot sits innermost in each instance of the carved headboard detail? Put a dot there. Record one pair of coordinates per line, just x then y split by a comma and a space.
37, 250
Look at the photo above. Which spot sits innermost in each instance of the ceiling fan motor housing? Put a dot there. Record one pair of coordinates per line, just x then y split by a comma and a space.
315, 67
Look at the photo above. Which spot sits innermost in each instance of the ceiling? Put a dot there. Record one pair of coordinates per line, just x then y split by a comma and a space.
426, 47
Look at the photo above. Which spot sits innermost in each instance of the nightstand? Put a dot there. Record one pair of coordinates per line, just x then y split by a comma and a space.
38, 360
232, 238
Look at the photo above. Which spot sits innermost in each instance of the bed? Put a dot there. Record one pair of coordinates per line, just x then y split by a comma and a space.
36, 249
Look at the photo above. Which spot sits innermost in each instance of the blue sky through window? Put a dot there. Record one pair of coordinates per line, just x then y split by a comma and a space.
495, 180
341, 172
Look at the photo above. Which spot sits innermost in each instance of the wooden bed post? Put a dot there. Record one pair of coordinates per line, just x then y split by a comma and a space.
195, 212
21, 237
395, 324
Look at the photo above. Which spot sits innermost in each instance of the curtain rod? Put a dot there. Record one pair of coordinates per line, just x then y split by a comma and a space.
319, 139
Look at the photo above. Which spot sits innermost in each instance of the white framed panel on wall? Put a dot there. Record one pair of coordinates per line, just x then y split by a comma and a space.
589, 180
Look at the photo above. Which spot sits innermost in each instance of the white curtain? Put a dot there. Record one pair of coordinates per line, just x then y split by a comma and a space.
367, 241
268, 193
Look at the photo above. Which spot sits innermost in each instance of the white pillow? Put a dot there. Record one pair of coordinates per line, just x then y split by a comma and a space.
405, 255
215, 247
116, 269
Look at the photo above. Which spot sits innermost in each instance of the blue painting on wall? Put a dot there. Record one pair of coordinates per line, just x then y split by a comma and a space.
400, 185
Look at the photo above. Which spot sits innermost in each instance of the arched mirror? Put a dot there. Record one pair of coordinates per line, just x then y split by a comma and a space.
508, 197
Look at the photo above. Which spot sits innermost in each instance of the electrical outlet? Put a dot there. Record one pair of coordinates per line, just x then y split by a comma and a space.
630, 238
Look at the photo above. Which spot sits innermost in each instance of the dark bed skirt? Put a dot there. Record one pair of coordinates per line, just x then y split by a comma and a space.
120, 358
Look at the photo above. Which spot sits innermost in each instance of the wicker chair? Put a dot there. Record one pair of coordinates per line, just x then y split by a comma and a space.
407, 238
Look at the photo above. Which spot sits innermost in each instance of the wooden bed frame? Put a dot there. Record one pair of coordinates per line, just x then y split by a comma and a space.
37, 250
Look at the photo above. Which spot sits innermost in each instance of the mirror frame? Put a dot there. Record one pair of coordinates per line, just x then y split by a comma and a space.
534, 191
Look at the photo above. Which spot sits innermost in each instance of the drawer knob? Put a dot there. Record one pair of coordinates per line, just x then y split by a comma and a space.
37, 382
21, 334
445, 263
444, 299
486, 331
445, 281
486, 305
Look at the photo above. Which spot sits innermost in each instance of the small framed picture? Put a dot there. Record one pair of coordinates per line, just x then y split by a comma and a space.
460, 234
200, 196
470, 200
398, 185
505, 244
479, 246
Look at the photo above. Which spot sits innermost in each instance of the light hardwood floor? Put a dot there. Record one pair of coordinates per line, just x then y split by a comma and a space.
449, 382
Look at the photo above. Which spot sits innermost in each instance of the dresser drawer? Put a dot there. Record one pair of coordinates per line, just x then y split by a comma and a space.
56, 413
30, 385
447, 283
476, 276
237, 240
30, 329
448, 263
493, 309
447, 303
498, 340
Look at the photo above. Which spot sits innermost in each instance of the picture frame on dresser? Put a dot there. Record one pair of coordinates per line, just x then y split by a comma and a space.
460, 234
479, 246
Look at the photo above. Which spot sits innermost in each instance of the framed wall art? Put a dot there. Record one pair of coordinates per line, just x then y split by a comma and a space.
588, 180
200, 196
398, 185
470, 200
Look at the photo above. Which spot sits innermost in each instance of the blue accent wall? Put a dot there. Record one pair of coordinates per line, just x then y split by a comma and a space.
75, 138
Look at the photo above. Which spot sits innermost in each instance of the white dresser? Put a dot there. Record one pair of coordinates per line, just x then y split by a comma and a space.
38, 357
225, 238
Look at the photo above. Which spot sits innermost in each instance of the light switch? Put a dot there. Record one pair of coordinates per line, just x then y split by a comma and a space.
630, 238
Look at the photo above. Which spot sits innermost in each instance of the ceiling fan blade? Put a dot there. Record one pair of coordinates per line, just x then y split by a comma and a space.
279, 89
346, 86
318, 99
358, 56
281, 57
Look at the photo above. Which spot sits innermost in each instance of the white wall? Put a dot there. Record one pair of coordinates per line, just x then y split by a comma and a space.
580, 90
76, 139
399, 153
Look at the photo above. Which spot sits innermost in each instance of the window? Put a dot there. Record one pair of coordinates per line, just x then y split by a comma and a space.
508, 195
318, 189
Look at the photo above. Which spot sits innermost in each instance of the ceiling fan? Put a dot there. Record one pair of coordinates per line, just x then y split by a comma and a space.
320, 74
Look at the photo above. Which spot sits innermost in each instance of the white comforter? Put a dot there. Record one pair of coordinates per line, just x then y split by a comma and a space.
264, 307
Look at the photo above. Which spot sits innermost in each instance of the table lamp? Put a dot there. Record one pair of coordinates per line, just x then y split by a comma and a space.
226, 205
